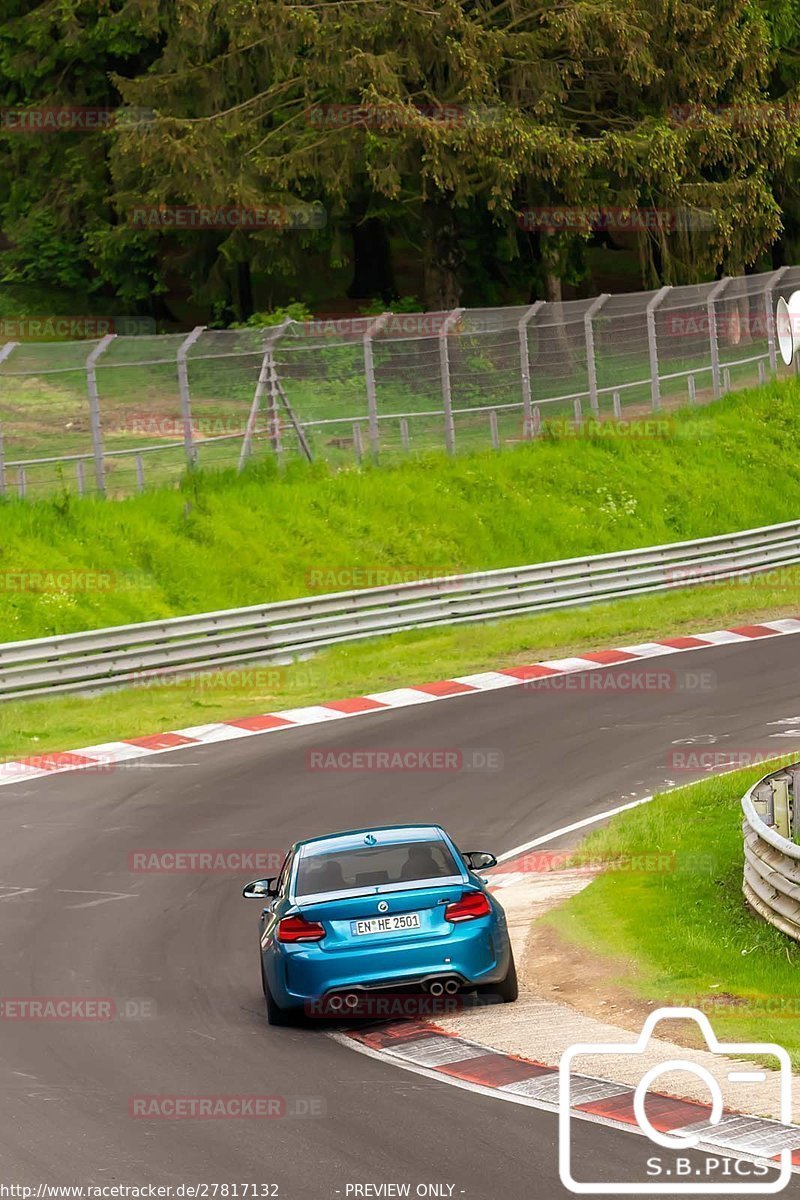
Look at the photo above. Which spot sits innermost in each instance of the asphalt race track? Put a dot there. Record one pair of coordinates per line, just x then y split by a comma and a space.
177, 953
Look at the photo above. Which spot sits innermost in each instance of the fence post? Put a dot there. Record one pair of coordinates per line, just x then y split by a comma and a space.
447, 395
652, 343
591, 365
769, 307
265, 377
94, 410
369, 376
525, 369
183, 386
494, 432
5, 351
715, 292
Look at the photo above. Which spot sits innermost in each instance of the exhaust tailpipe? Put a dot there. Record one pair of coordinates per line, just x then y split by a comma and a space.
335, 1002
436, 988
451, 987
351, 1000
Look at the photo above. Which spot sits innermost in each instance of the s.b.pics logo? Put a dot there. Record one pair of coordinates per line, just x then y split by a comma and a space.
697, 1145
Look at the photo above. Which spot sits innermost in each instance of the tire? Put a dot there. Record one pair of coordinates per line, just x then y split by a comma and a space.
275, 1014
507, 990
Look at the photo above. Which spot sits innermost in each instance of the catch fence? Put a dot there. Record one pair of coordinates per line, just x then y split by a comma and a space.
120, 413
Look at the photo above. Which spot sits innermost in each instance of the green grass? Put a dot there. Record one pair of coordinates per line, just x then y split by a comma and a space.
35, 726
684, 935
223, 541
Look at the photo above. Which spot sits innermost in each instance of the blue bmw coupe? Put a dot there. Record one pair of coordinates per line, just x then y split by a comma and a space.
399, 907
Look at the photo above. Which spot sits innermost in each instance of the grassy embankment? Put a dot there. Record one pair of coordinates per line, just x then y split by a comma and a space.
224, 541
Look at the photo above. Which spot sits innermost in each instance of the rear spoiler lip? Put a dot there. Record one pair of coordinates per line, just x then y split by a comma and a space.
386, 889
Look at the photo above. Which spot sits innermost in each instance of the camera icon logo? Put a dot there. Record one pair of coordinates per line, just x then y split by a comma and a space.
684, 1175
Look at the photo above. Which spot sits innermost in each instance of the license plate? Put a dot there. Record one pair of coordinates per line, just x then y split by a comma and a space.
391, 924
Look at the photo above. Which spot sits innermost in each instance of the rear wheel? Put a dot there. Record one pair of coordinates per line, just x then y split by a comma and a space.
507, 990
275, 1014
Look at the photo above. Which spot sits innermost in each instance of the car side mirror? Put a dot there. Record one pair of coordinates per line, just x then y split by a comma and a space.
260, 889
479, 860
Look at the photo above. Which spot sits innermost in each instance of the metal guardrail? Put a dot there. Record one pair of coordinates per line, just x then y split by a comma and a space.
771, 860
137, 654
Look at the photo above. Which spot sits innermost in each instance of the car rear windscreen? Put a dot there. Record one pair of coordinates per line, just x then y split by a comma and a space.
374, 866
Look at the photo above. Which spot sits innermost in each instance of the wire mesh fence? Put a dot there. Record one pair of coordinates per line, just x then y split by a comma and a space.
117, 414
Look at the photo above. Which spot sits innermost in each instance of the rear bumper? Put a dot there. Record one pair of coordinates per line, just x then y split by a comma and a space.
476, 952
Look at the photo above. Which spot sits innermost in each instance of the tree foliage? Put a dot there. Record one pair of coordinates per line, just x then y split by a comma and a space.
440, 123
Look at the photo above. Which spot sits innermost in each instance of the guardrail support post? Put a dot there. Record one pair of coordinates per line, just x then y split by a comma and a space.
94, 410
794, 802
369, 376
713, 296
769, 313
525, 369
447, 394
183, 386
265, 380
591, 364
652, 343
780, 796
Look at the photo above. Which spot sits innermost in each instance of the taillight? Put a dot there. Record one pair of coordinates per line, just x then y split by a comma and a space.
298, 929
471, 905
